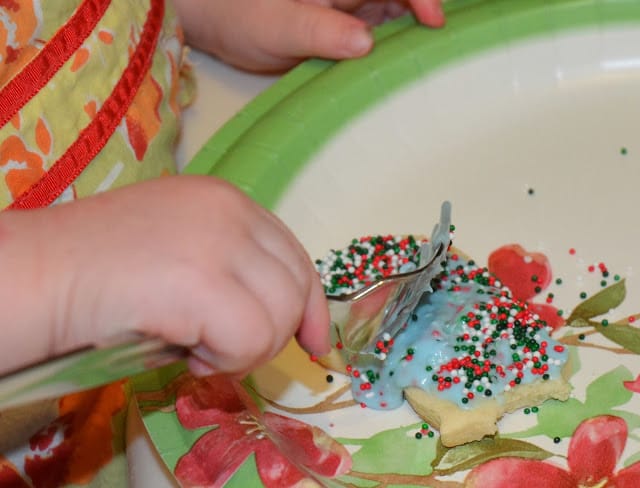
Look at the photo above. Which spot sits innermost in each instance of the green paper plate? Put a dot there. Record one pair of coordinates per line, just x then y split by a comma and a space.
264, 146
558, 169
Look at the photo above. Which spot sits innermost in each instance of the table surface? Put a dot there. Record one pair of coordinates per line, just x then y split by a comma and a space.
222, 91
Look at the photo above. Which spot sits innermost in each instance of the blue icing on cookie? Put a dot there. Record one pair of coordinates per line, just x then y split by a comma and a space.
465, 341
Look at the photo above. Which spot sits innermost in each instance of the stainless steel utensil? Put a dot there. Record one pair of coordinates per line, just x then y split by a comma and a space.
378, 311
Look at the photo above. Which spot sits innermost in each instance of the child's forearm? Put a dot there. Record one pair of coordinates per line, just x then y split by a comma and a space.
28, 309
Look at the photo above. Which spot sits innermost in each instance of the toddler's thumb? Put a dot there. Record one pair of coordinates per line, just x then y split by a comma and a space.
327, 33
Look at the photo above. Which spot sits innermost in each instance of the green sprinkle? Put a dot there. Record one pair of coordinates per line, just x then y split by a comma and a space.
616, 278
556, 440
418, 435
329, 378
583, 295
558, 281
581, 337
560, 312
604, 322
534, 409
603, 283
452, 228
623, 151
527, 411
425, 426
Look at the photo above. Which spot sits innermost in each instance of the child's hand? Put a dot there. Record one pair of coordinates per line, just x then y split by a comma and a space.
273, 35
189, 259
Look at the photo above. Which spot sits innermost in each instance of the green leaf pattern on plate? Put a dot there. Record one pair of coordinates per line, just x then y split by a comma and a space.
467, 456
598, 304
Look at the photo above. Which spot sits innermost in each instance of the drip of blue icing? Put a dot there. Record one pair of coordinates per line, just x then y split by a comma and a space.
438, 332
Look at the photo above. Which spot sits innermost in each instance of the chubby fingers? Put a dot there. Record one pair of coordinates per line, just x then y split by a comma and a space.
309, 29
272, 294
312, 333
429, 12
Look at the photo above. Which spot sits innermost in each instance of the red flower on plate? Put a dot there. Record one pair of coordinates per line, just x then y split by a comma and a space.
287, 452
594, 452
634, 385
526, 274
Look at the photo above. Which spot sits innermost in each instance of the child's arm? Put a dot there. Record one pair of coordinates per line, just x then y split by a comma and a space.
189, 259
273, 35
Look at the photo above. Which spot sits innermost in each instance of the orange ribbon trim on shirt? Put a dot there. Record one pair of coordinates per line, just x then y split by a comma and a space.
30, 80
95, 135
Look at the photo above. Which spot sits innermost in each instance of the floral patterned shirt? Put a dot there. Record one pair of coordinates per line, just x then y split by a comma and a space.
90, 96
